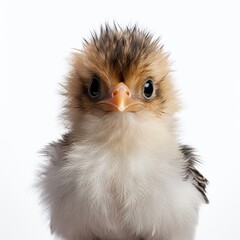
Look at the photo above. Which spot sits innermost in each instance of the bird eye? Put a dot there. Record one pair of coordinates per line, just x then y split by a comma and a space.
148, 89
94, 87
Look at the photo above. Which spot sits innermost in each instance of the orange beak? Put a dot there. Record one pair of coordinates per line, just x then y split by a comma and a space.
121, 100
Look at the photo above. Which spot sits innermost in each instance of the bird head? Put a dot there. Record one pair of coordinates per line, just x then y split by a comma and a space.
120, 71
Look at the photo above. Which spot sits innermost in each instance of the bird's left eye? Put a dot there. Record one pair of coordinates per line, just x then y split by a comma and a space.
148, 89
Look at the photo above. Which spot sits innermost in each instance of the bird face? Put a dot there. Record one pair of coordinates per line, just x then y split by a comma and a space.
120, 97
120, 70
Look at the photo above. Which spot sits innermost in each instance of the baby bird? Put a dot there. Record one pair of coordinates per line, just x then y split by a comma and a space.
120, 172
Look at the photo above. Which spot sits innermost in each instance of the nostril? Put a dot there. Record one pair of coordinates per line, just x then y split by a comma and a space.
115, 93
128, 93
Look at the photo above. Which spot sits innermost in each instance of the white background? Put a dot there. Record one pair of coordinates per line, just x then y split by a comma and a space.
203, 38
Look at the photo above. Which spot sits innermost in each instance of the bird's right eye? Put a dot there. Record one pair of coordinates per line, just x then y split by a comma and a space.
94, 87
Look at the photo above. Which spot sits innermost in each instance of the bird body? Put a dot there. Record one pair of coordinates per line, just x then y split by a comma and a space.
120, 172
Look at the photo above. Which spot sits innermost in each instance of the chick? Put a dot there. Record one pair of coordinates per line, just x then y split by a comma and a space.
120, 172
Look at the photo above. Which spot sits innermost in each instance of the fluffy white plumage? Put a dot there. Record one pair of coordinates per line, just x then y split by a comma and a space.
122, 188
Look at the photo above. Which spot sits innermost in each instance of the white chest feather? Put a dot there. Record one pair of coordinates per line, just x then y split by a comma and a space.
124, 184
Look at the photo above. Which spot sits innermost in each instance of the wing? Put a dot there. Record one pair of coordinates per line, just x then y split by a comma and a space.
49, 182
190, 171
55, 151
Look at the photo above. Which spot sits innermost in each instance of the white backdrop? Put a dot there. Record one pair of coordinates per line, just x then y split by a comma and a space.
203, 38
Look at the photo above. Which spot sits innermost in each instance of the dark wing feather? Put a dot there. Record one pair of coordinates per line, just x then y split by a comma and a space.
190, 171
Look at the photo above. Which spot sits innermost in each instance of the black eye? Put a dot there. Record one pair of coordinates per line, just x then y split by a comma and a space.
148, 89
94, 87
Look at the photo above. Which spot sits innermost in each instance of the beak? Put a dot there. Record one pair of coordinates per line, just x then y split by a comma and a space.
121, 100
